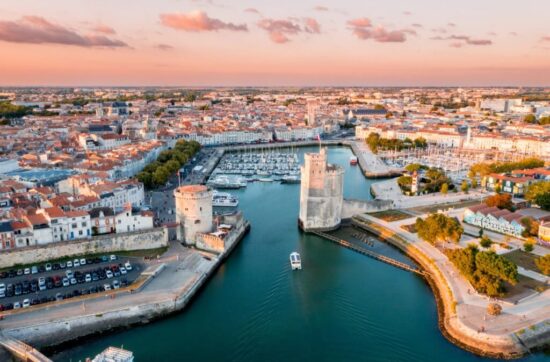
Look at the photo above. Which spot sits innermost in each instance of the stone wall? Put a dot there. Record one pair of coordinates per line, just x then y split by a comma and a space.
150, 239
353, 207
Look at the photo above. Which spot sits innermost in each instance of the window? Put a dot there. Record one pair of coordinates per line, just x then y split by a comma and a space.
79, 232
84, 224
74, 226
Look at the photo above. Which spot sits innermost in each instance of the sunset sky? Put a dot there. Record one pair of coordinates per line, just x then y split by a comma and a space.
274, 43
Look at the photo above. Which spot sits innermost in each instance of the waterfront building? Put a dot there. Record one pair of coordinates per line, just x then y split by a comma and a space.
494, 219
321, 193
193, 212
544, 233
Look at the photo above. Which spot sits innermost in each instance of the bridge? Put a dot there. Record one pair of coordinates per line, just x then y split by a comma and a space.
369, 253
21, 350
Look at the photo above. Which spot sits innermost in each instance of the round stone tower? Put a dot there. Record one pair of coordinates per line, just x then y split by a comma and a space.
321, 193
193, 211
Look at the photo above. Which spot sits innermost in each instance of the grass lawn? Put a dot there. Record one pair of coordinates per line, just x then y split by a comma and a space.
391, 215
523, 259
524, 287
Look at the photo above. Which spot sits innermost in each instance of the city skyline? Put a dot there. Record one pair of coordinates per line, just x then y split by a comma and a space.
254, 43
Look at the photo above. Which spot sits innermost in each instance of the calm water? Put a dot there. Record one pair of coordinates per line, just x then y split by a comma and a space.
341, 307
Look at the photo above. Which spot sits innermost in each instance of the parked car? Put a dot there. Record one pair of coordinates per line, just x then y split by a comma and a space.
82, 261
27, 271
76, 263
109, 274
69, 264
69, 274
116, 284
26, 303
88, 278
128, 266
112, 257
123, 270
107, 287
48, 267
34, 269
16, 305
66, 282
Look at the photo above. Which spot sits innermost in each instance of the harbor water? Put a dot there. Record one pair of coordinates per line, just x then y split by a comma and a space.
342, 306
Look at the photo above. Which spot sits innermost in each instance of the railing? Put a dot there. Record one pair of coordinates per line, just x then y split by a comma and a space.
369, 253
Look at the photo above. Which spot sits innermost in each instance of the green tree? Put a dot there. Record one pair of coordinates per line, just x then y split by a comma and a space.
444, 188
160, 177
438, 227
543, 263
464, 186
530, 118
528, 246
485, 242
413, 167
146, 178
539, 193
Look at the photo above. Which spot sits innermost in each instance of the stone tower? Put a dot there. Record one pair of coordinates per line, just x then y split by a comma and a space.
193, 211
321, 193
414, 183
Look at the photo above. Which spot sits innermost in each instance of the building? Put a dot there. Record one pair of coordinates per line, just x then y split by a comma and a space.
193, 212
321, 193
132, 219
494, 219
7, 236
544, 233
311, 109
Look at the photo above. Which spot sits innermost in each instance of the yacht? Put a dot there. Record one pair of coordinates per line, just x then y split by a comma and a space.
290, 179
295, 261
353, 160
224, 199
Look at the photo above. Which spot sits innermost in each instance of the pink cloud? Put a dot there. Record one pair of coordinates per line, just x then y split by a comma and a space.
363, 29
37, 30
198, 21
470, 41
312, 26
456, 45
320, 8
545, 38
104, 29
360, 22
164, 47
416, 25
280, 30
252, 11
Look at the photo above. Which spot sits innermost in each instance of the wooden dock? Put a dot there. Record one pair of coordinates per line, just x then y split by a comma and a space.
369, 253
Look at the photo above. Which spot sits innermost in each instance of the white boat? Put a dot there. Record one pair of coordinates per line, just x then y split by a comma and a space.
295, 261
224, 199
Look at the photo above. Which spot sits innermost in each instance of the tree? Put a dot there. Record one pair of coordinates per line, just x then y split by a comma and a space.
530, 118
543, 263
438, 227
531, 226
413, 167
502, 201
539, 193
420, 142
444, 188
485, 242
494, 309
464, 186
474, 183
528, 246
146, 178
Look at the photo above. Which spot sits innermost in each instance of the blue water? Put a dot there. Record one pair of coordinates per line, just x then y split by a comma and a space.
341, 307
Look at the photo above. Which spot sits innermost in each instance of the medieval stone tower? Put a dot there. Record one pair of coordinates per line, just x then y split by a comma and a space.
321, 193
193, 211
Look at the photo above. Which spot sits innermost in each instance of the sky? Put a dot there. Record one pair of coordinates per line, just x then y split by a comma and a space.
274, 43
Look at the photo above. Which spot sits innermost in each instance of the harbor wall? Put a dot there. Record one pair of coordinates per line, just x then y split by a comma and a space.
63, 330
504, 346
140, 240
353, 207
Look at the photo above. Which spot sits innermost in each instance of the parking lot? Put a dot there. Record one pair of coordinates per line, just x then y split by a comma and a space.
48, 282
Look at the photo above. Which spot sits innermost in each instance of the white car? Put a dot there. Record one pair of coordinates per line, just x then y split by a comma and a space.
69, 264
88, 278
73, 281
66, 282
113, 257
107, 287
69, 274
34, 270
76, 263
2, 287
26, 303
27, 271
128, 266
123, 270
41, 281
48, 267
109, 274
116, 284
16, 305
82, 261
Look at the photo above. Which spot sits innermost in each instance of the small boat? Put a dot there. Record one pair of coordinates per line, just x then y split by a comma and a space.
353, 160
290, 179
295, 261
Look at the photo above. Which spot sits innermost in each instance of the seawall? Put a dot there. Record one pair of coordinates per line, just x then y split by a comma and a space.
140, 240
494, 346
62, 330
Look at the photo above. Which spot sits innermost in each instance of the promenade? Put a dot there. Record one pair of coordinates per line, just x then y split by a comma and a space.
470, 320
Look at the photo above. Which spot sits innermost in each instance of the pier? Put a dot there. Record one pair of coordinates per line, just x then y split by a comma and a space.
21, 350
369, 253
